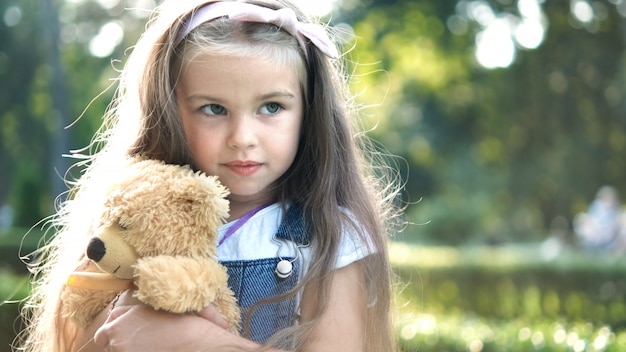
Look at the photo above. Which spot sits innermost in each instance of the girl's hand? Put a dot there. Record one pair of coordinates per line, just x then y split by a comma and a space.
134, 326
209, 313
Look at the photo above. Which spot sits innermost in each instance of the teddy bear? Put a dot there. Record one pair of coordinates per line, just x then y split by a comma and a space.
157, 234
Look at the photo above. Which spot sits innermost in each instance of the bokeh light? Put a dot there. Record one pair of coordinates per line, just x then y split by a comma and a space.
107, 39
501, 34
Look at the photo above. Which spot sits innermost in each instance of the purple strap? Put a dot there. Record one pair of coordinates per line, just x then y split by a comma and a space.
242, 220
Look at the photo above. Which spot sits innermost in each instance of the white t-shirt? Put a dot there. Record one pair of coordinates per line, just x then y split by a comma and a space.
255, 240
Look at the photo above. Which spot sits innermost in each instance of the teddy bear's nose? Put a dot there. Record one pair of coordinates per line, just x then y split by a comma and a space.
96, 249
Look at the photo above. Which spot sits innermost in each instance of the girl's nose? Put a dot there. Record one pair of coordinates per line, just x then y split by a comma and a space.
242, 134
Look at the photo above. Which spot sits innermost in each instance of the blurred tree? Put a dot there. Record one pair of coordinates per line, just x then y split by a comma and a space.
496, 153
24, 127
52, 64
59, 111
507, 112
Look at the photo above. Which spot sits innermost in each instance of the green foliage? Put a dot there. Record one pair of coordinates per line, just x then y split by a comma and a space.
513, 298
470, 333
27, 193
39, 100
493, 153
13, 289
17, 246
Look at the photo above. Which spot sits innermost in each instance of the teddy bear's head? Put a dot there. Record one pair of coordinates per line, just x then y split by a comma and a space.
157, 209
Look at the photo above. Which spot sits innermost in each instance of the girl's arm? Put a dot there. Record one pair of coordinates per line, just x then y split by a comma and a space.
85, 341
136, 327
141, 328
342, 326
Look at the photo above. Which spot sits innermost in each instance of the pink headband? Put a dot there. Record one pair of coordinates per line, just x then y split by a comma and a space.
284, 18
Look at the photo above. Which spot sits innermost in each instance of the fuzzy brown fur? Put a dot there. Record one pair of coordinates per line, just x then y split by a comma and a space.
159, 228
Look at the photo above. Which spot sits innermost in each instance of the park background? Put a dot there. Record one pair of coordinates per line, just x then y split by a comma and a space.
503, 117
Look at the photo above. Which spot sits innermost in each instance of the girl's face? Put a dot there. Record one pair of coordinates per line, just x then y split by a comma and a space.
242, 119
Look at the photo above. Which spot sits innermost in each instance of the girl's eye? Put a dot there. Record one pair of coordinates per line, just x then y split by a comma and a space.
270, 108
213, 109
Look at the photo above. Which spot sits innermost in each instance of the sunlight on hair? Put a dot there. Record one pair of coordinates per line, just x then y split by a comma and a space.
318, 8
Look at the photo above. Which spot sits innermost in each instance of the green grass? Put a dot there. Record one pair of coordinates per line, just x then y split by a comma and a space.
516, 256
509, 298
425, 332
15, 244
13, 289
12, 286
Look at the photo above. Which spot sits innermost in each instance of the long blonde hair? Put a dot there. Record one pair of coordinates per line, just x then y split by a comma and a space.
334, 168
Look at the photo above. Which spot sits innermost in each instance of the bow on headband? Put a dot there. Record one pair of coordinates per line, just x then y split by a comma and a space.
283, 18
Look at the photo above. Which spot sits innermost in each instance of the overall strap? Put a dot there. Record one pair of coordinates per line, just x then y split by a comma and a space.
293, 227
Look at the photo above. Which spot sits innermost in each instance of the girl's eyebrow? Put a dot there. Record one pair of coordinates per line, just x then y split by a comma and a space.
201, 96
278, 94
267, 96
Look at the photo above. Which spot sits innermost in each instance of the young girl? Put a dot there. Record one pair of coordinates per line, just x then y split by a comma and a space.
254, 93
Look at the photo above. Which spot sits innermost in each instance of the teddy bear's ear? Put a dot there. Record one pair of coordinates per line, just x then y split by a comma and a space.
208, 194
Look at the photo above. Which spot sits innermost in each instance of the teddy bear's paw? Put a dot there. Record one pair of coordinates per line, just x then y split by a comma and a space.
82, 305
179, 284
226, 304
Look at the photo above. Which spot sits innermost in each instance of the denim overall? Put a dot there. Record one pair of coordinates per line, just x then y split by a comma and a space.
254, 280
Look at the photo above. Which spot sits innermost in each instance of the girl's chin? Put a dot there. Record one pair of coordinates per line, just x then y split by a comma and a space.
248, 195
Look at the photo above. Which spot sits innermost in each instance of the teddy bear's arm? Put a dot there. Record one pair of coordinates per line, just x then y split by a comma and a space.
183, 284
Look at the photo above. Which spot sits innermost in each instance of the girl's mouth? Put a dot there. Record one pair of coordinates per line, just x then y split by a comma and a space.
244, 168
